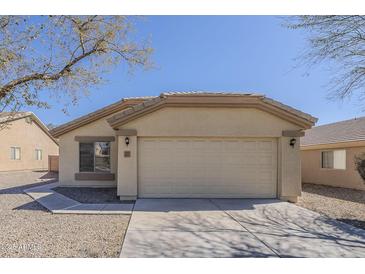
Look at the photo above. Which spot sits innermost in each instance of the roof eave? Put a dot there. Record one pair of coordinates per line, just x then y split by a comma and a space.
94, 116
256, 101
43, 127
36, 120
339, 144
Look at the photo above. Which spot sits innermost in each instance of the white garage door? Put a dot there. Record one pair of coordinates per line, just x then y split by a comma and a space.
179, 167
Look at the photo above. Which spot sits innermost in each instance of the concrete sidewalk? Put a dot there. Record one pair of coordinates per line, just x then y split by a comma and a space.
60, 204
236, 228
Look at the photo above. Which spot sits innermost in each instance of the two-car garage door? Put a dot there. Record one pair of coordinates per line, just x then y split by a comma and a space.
204, 167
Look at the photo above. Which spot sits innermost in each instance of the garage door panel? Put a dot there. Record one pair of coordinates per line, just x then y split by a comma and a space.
196, 167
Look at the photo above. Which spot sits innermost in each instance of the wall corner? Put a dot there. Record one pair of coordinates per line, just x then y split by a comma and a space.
289, 169
127, 167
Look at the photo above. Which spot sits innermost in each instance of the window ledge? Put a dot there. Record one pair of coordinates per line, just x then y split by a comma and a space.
326, 168
94, 176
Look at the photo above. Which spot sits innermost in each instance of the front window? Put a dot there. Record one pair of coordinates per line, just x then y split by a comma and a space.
102, 156
334, 159
95, 157
15, 153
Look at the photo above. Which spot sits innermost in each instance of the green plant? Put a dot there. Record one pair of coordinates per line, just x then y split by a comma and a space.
360, 165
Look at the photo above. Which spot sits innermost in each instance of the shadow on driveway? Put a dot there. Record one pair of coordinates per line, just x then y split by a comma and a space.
236, 228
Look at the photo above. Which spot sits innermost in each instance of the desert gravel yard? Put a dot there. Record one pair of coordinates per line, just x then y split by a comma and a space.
89, 195
346, 205
29, 230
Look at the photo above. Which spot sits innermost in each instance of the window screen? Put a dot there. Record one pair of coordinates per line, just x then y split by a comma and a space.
95, 157
327, 159
86, 157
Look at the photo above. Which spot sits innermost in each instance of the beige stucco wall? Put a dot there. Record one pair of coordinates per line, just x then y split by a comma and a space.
221, 122
69, 153
127, 169
313, 173
289, 169
27, 136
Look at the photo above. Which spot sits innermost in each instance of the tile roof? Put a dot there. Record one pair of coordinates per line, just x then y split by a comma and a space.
138, 103
156, 100
95, 115
112, 108
344, 131
207, 93
290, 109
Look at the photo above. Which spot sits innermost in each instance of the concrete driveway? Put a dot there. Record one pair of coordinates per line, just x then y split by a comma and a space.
236, 228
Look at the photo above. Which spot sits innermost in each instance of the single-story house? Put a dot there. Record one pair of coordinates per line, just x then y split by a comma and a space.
25, 142
329, 151
190, 144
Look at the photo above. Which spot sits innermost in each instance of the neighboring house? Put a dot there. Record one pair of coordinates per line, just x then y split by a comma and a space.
25, 142
187, 145
329, 151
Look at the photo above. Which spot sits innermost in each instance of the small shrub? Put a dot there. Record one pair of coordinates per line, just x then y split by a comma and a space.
360, 165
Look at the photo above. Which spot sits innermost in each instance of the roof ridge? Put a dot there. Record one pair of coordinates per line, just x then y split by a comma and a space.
340, 122
289, 108
197, 92
113, 120
138, 97
25, 114
94, 115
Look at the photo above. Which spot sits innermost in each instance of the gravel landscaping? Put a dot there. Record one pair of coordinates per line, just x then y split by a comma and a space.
89, 195
29, 230
342, 204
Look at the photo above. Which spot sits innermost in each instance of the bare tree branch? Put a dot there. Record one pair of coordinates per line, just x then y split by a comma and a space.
339, 39
65, 55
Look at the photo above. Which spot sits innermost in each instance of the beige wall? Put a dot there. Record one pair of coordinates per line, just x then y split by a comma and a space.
69, 153
289, 169
127, 169
53, 163
27, 136
180, 122
222, 122
313, 173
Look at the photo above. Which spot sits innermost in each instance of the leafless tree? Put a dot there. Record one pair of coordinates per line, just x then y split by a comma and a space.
337, 38
63, 56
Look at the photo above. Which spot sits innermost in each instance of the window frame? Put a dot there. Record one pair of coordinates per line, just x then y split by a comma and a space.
11, 153
95, 156
333, 159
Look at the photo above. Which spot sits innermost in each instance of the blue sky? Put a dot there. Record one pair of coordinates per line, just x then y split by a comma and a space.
219, 53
